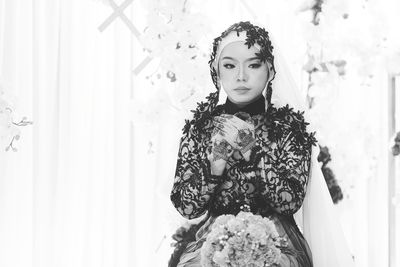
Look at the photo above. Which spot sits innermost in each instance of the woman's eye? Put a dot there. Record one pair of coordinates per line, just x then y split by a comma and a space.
255, 65
229, 66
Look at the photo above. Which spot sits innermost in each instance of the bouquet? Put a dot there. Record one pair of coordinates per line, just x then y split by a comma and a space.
242, 240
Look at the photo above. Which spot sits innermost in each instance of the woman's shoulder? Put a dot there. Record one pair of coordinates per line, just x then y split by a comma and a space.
284, 121
286, 115
202, 123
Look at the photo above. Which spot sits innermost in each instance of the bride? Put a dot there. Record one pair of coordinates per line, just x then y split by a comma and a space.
254, 153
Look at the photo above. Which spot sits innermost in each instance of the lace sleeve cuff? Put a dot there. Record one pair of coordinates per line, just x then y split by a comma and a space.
216, 179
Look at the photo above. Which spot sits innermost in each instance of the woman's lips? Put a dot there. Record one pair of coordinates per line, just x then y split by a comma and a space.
242, 89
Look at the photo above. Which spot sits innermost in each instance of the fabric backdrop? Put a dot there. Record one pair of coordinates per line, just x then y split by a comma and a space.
65, 196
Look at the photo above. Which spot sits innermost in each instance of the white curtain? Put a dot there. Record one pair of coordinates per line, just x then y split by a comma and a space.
90, 183
65, 196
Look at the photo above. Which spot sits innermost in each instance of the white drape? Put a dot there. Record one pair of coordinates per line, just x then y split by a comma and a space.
79, 192
65, 195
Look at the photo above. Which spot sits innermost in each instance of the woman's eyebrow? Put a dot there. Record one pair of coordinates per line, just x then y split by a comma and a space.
252, 58
249, 59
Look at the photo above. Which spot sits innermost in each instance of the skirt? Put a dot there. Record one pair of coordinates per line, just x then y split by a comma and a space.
285, 225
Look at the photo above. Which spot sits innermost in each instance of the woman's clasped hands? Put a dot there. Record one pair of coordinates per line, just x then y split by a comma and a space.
230, 135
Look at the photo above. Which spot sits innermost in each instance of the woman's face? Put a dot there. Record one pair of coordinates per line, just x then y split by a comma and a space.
242, 74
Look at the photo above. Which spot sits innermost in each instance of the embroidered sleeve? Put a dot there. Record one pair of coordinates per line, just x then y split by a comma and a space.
286, 176
193, 184
287, 164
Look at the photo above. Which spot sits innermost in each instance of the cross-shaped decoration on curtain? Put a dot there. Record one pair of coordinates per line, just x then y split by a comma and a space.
118, 12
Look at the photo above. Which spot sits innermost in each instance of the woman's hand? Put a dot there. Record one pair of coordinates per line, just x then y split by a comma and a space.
240, 134
227, 126
218, 153
229, 135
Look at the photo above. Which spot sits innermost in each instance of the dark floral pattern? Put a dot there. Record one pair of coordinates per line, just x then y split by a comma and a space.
275, 177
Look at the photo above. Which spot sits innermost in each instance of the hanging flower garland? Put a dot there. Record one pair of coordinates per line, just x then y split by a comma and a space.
349, 43
316, 68
175, 34
360, 32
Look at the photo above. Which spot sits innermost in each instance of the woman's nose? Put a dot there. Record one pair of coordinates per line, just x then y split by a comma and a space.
242, 75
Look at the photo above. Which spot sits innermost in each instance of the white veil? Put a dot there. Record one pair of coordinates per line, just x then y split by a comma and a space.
317, 217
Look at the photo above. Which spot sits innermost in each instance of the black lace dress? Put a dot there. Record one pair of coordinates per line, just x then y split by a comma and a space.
272, 183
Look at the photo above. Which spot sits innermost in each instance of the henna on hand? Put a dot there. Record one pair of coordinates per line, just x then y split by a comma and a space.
221, 149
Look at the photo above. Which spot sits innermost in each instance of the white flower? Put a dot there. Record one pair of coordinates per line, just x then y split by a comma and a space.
9, 131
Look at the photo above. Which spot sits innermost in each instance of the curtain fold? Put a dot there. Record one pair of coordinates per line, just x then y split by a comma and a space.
65, 194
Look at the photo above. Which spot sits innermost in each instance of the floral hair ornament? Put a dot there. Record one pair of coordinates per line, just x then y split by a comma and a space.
233, 37
251, 35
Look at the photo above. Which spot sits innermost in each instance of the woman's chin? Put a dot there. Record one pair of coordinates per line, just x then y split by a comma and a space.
242, 99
